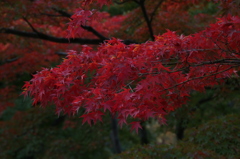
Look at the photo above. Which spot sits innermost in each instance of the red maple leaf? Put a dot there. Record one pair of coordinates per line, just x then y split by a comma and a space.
135, 125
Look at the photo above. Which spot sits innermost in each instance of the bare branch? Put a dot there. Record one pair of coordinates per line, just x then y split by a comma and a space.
63, 13
25, 19
90, 29
61, 53
142, 5
52, 15
58, 39
49, 37
9, 60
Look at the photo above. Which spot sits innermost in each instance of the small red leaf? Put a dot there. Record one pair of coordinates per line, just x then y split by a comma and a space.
135, 125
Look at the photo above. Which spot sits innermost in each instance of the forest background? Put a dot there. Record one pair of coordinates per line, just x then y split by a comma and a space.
36, 34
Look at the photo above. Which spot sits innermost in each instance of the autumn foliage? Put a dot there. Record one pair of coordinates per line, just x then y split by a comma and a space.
147, 77
140, 80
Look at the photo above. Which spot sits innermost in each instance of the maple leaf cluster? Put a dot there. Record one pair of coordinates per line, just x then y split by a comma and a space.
140, 81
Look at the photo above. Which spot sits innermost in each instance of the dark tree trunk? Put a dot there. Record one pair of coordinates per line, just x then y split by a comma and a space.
180, 129
114, 136
143, 134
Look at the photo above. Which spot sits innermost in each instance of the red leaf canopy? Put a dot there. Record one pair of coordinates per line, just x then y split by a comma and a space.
140, 80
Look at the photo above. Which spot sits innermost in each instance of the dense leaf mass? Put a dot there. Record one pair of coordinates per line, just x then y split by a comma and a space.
140, 80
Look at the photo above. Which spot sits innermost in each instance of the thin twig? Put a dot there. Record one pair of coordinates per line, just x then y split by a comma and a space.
31, 26
194, 78
155, 10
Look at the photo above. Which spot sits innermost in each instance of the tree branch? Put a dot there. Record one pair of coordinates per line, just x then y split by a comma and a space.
9, 60
38, 35
52, 15
155, 10
33, 29
49, 37
88, 28
195, 78
142, 5
63, 13
61, 53
58, 39
91, 29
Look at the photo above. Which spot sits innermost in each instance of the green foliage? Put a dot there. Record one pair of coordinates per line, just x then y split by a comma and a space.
119, 9
21, 104
128, 139
219, 138
37, 133
205, 106
211, 8
220, 135
182, 151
